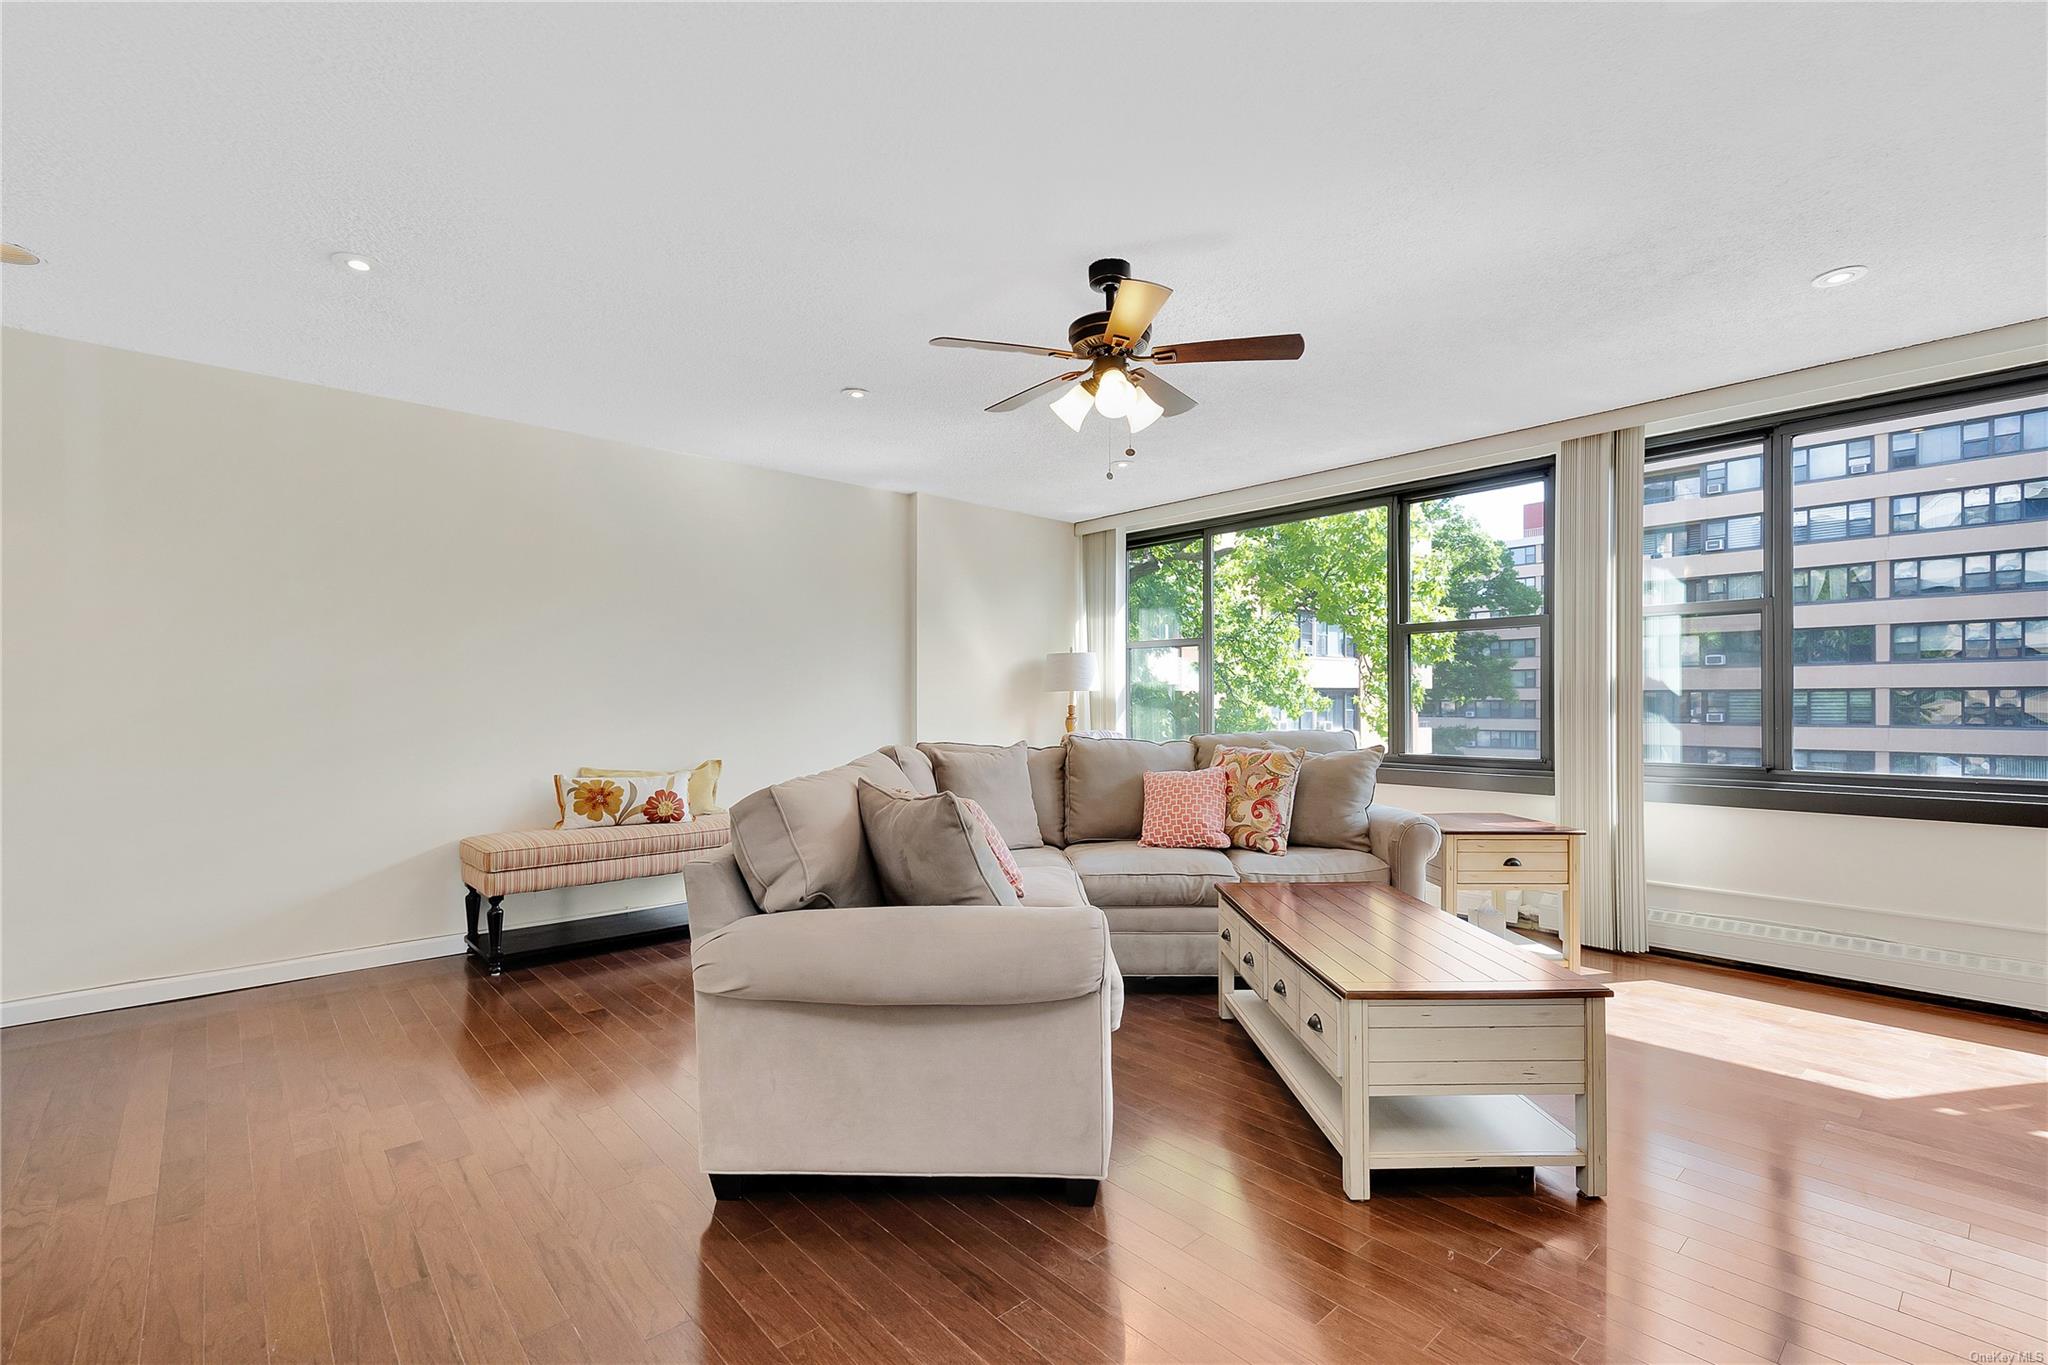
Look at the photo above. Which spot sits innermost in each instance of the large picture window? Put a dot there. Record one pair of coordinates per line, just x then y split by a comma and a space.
1868, 679
1416, 620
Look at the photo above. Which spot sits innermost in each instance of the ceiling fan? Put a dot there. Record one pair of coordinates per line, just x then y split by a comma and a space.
1114, 342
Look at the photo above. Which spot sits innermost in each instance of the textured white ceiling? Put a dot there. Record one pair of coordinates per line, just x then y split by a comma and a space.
688, 227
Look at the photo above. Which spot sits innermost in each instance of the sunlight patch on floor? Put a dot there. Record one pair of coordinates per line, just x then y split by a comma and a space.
1882, 1061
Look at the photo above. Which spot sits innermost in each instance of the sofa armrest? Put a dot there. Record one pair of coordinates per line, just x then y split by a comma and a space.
716, 893
909, 955
1406, 840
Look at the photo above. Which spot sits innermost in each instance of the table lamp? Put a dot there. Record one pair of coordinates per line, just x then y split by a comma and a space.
1070, 673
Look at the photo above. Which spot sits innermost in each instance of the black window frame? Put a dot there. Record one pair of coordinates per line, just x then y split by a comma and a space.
1778, 785
1536, 775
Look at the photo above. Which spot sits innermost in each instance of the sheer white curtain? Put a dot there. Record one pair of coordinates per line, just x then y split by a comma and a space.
1597, 626
1102, 616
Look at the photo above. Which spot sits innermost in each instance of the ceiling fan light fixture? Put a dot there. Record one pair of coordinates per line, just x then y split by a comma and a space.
1072, 406
1145, 410
1114, 393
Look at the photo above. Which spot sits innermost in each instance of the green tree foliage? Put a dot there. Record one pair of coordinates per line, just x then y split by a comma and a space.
1334, 570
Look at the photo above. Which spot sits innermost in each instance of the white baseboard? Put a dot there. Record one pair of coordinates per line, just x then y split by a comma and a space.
36, 1008
1936, 970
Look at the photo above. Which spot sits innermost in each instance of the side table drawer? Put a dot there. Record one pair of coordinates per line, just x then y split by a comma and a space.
1513, 862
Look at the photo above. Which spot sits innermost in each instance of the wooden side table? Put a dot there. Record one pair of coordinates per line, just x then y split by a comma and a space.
1492, 852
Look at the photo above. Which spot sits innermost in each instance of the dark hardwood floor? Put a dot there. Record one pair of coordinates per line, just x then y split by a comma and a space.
417, 1163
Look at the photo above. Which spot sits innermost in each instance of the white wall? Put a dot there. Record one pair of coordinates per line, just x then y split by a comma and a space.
272, 649
996, 592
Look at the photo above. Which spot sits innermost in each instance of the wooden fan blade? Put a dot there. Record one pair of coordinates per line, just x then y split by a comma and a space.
1137, 303
1170, 400
1002, 346
1286, 347
1018, 400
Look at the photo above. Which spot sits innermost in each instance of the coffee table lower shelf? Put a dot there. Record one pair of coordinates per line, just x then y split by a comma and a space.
1410, 1132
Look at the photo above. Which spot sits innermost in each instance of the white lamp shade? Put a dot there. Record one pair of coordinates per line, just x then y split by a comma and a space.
1075, 672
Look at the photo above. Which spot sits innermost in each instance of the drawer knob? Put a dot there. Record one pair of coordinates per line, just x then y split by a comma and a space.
1512, 862
1247, 959
1315, 1021
1226, 936
1279, 988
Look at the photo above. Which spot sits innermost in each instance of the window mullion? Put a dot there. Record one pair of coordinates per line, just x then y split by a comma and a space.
1777, 608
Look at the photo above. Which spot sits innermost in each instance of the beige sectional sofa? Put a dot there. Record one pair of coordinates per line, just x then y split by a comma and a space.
964, 1040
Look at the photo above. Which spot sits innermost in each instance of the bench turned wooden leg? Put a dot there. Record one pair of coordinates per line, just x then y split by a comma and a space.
495, 960
472, 901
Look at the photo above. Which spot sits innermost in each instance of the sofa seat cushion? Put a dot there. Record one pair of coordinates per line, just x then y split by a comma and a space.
1125, 872
1049, 879
526, 849
1165, 919
1303, 864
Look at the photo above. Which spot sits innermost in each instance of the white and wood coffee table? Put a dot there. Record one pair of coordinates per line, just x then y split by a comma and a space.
1412, 1038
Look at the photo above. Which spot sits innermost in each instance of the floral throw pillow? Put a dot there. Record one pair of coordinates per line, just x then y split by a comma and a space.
1258, 800
1185, 809
595, 801
996, 844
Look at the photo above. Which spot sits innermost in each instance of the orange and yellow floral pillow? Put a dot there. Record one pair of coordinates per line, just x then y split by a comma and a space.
1258, 798
586, 802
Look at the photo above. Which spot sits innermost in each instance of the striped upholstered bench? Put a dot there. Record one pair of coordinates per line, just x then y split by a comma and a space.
495, 866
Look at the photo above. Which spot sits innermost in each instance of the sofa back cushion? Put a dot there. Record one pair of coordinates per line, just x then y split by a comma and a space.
1049, 792
930, 850
1331, 799
1315, 741
916, 767
996, 777
799, 842
1106, 783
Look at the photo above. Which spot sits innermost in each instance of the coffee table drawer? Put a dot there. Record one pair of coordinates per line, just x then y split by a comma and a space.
1283, 987
1246, 950
1319, 1022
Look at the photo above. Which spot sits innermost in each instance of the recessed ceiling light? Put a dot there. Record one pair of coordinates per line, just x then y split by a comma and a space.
1840, 275
353, 260
14, 255
855, 393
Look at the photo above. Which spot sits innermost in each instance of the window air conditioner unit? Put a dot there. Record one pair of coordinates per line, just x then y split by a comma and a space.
1716, 717
1716, 486
1714, 660
1716, 543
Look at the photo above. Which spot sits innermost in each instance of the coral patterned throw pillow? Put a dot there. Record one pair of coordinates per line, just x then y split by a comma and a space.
1185, 810
1258, 804
995, 843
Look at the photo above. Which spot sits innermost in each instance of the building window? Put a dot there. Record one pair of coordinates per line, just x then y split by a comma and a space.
1834, 583
1992, 504
2000, 571
2007, 433
1834, 706
1717, 536
1844, 642
1834, 760
1834, 644
1285, 623
1710, 480
1834, 521
2000, 707
2022, 638
1835, 460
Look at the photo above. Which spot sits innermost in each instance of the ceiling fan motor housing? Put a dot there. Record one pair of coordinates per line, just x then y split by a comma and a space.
1089, 327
